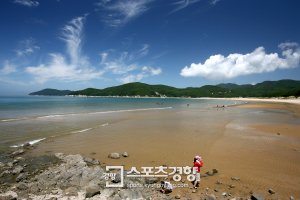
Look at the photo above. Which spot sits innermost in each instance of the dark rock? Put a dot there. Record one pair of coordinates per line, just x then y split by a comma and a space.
18, 152
91, 191
210, 197
125, 154
257, 197
91, 161
114, 155
278, 133
271, 191
27, 145
22, 176
216, 190
151, 180
215, 171
10, 195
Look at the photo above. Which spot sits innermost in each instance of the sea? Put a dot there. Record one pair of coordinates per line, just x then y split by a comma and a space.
33, 119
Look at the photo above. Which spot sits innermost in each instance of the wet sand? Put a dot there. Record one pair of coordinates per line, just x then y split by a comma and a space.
257, 142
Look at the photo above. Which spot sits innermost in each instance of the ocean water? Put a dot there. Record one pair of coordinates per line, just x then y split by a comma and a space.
36, 118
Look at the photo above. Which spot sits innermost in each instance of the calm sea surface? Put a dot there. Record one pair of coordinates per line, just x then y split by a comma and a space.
34, 118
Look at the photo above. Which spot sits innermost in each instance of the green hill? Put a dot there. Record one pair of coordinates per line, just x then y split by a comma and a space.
282, 88
51, 92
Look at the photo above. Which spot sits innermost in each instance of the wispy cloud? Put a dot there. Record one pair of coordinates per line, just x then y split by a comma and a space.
144, 73
125, 65
8, 68
118, 13
214, 2
255, 62
27, 47
28, 3
181, 4
74, 68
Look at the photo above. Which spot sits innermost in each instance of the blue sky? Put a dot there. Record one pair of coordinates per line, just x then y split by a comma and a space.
72, 44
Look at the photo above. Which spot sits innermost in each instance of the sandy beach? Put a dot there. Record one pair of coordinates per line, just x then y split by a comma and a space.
258, 142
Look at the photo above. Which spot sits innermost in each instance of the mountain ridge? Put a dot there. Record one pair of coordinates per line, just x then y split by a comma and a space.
280, 88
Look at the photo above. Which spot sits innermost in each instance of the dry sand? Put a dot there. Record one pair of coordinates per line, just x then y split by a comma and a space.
257, 142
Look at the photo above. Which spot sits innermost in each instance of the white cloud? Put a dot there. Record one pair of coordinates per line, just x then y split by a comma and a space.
181, 4
125, 67
28, 3
152, 71
234, 65
27, 47
143, 73
8, 68
131, 78
121, 12
76, 68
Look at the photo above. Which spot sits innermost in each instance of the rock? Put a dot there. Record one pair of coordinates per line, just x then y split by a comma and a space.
271, 191
125, 154
22, 186
256, 197
292, 198
215, 171
224, 194
278, 133
91, 191
17, 170
1, 165
177, 196
27, 145
114, 155
130, 194
210, 173
216, 190
10, 195
22, 176
151, 180
18, 152
71, 191
91, 161
235, 178
203, 175
194, 191
10, 165
210, 197
219, 182
231, 186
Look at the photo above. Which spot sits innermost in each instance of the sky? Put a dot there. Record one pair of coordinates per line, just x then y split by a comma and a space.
76, 44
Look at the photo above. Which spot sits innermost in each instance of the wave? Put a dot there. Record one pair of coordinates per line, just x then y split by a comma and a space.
32, 142
83, 130
84, 113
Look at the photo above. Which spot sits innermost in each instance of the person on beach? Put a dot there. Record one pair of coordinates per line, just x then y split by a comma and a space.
198, 163
166, 187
